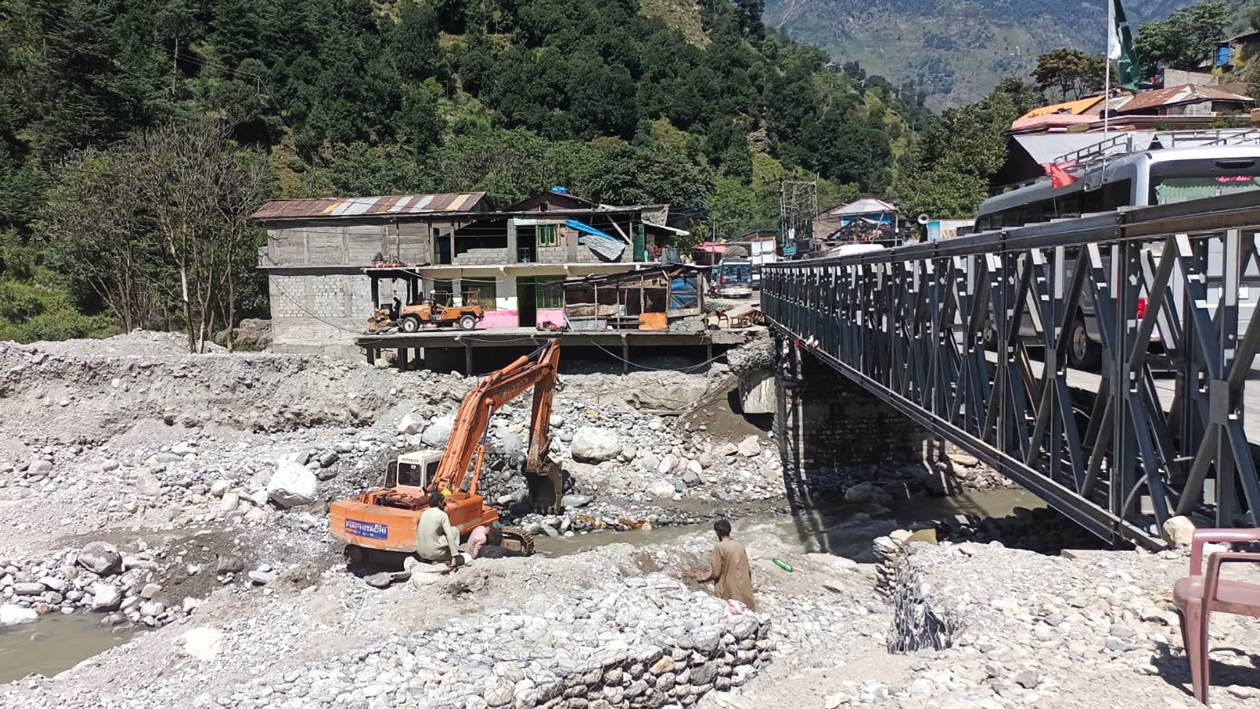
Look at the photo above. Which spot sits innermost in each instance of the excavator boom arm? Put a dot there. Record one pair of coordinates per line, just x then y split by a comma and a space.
537, 370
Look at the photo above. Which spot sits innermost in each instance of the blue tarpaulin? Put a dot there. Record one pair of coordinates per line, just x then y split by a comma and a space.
683, 292
607, 246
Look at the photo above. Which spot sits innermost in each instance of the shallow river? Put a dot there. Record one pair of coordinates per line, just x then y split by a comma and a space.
846, 530
58, 642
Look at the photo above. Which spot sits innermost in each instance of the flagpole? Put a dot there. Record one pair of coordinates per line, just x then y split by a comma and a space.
1106, 116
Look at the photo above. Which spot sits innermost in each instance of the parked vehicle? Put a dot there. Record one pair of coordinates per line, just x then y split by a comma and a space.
733, 278
1193, 165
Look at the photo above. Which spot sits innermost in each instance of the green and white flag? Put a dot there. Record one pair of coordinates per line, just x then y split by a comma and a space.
1120, 46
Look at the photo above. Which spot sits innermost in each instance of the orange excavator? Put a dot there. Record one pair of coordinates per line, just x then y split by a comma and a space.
384, 519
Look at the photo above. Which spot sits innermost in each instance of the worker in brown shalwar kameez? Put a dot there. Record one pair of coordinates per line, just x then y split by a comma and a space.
729, 568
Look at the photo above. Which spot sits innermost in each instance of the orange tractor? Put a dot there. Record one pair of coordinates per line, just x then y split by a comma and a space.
382, 522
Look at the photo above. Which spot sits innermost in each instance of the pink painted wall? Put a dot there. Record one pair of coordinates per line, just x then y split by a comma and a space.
499, 318
551, 316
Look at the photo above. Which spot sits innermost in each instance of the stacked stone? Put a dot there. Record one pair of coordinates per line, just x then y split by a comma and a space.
649, 642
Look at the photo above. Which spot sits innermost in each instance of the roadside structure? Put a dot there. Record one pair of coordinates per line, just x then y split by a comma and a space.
510, 261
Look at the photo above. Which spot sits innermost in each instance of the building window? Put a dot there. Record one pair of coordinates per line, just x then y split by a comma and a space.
549, 293
548, 234
479, 291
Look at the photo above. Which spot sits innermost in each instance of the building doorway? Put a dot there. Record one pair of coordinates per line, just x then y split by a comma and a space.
526, 302
442, 247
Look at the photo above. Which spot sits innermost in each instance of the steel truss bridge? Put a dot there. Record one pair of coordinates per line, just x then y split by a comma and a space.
1163, 427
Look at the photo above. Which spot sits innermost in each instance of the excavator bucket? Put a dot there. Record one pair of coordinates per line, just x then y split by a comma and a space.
546, 487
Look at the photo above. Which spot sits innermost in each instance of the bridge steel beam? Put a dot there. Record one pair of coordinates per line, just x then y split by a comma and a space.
912, 325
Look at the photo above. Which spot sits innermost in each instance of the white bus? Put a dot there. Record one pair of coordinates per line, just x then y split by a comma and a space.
1197, 165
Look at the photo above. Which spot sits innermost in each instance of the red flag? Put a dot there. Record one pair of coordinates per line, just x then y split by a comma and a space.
1058, 176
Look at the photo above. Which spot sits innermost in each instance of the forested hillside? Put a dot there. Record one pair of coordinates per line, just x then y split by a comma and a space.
698, 105
954, 50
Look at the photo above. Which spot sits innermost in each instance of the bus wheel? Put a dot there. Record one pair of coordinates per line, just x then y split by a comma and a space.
1083, 352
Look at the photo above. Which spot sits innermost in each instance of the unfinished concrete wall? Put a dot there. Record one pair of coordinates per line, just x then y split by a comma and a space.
319, 313
323, 243
483, 257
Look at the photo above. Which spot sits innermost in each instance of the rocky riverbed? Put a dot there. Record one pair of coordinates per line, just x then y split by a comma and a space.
187, 496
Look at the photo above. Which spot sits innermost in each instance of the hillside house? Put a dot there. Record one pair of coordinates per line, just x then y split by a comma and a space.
511, 261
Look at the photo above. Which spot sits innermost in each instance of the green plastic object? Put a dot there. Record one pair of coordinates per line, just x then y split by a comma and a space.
782, 564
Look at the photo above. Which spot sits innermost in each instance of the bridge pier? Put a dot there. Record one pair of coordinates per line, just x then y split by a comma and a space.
829, 429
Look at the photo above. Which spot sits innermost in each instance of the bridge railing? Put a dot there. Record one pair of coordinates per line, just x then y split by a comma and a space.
985, 340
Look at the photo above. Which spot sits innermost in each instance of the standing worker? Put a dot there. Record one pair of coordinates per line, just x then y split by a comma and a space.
729, 568
436, 538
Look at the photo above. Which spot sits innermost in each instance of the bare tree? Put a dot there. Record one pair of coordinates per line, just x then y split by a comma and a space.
169, 211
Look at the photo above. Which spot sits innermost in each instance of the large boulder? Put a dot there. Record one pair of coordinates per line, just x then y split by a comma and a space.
409, 425
101, 558
678, 396
867, 492
750, 446
661, 490
292, 485
1179, 531
438, 432
254, 334
594, 445
13, 614
105, 597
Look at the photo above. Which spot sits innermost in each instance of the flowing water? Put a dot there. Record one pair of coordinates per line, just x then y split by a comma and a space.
846, 529
55, 643
58, 642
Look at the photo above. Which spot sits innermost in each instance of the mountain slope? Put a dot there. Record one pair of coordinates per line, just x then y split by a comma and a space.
955, 50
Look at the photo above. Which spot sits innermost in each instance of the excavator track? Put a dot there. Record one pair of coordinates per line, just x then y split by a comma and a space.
518, 539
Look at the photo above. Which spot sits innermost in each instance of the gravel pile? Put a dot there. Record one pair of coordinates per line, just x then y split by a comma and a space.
991, 626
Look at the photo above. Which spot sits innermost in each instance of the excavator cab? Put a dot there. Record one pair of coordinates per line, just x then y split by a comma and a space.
414, 469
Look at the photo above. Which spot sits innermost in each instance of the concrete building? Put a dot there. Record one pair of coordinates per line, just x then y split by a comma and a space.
511, 261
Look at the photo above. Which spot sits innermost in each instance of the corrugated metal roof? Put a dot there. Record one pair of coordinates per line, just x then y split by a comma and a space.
1175, 95
344, 207
868, 205
1076, 107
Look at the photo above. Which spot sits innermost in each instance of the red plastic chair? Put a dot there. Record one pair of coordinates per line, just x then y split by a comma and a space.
1201, 593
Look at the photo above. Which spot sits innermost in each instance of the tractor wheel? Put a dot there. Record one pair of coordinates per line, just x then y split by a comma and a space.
410, 323
517, 539
467, 322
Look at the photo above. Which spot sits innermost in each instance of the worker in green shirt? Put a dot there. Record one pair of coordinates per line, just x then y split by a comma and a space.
436, 538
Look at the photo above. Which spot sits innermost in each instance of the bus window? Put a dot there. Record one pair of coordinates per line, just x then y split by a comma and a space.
1171, 190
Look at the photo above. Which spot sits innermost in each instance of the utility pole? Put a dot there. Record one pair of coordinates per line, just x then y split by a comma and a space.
174, 67
798, 205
